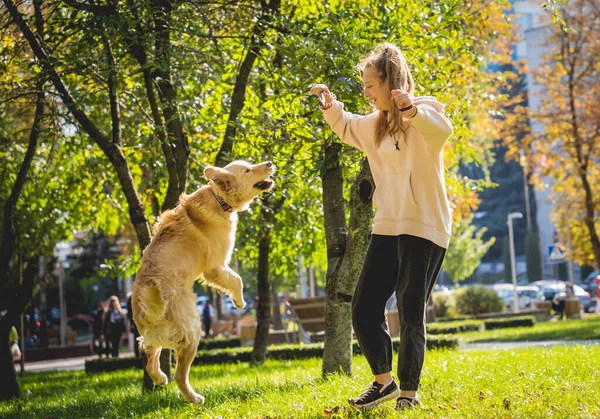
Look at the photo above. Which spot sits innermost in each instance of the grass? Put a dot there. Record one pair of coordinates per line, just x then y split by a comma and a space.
573, 329
559, 382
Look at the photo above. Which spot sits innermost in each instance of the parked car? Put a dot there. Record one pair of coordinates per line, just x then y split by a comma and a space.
528, 295
550, 287
589, 283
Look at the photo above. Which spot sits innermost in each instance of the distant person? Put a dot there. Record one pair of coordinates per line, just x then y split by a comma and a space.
570, 291
113, 325
99, 345
558, 304
207, 319
134, 330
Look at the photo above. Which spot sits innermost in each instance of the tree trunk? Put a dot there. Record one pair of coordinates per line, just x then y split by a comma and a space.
10, 386
345, 253
15, 303
263, 311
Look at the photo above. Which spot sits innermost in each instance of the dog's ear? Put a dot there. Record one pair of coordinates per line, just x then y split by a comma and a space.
220, 176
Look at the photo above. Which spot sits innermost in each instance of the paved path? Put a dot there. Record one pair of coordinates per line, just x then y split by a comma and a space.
66, 364
530, 344
74, 364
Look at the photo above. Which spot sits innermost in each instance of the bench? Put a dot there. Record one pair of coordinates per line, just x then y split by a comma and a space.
247, 333
309, 314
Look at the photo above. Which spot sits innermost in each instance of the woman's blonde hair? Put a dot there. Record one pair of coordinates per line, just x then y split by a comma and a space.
390, 66
115, 299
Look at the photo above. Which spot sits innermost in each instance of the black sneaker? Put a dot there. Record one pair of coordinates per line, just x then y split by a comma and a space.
375, 394
404, 403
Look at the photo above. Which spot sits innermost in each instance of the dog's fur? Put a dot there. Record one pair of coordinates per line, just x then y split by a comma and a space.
194, 239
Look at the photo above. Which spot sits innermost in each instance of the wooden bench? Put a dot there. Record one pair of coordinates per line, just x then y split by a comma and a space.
247, 333
309, 313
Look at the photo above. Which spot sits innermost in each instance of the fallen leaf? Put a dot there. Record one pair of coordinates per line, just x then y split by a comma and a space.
328, 412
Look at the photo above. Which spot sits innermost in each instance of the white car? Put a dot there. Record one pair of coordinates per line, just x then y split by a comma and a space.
528, 295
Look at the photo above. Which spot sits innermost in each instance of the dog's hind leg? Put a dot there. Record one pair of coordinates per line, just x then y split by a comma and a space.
185, 356
153, 367
226, 280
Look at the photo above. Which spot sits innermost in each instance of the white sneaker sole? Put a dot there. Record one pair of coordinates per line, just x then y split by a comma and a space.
377, 402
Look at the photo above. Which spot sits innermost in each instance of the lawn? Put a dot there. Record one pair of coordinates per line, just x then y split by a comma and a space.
574, 329
559, 382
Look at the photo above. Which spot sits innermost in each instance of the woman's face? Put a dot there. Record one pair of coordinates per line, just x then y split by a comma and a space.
376, 91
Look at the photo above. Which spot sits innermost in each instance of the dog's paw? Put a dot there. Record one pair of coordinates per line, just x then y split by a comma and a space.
162, 380
194, 397
239, 304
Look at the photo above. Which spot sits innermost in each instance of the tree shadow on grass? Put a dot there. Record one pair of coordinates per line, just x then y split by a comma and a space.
108, 400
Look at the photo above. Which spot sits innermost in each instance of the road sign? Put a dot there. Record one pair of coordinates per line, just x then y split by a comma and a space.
556, 254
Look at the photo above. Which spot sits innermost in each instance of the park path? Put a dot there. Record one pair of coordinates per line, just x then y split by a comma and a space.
66, 364
526, 344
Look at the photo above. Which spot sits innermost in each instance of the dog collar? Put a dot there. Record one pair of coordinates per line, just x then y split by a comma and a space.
226, 207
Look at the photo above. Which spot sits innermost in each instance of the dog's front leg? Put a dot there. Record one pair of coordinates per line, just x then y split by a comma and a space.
227, 281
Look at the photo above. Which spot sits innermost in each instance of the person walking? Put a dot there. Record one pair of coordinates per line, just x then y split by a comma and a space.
113, 325
207, 319
404, 140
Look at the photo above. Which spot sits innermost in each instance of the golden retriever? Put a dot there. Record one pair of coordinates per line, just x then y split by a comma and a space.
194, 239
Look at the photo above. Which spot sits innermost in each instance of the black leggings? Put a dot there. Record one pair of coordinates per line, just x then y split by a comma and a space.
409, 266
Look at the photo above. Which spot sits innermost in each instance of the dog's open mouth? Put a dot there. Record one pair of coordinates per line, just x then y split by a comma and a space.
263, 185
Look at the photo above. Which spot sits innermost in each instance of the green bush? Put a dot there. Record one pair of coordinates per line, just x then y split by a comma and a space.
478, 300
218, 343
242, 354
524, 321
453, 319
443, 305
455, 327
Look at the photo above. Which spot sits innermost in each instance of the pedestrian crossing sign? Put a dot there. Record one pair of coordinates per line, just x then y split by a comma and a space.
556, 254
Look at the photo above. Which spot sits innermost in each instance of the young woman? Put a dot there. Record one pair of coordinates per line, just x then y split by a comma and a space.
404, 141
113, 325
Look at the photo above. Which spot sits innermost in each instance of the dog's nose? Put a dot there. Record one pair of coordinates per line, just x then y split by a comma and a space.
269, 164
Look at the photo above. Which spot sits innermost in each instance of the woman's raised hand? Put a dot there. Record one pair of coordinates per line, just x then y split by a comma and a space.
403, 101
322, 91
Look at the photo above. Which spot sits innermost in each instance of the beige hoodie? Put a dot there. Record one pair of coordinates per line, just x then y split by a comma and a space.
410, 195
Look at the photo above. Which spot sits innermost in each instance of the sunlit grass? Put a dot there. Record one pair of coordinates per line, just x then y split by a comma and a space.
559, 382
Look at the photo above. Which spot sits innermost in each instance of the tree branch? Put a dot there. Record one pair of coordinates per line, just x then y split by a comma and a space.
112, 151
115, 112
8, 246
241, 81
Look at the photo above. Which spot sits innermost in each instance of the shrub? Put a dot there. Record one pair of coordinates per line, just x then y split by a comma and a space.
453, 319
242, 354
524, 321
478, 300
218, 343
442, 305
454, 327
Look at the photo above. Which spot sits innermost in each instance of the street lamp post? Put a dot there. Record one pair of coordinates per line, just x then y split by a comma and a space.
511, 245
